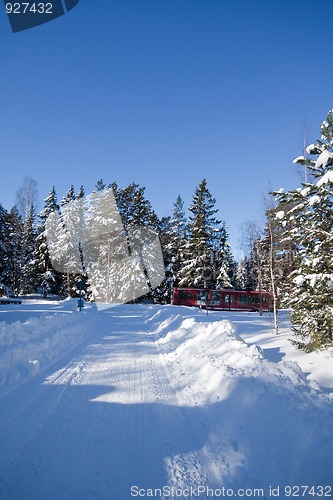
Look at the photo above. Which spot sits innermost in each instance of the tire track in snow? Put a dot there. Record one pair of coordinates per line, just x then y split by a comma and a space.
105, 421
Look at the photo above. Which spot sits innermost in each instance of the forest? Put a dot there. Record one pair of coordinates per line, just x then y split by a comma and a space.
290, 256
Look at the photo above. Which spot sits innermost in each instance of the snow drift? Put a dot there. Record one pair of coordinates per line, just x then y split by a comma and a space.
267, 423
29, 346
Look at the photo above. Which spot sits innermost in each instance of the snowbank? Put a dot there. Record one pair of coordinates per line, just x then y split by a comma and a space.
267, 421
27, 347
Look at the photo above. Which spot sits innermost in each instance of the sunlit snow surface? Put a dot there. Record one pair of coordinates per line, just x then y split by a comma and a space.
95, 403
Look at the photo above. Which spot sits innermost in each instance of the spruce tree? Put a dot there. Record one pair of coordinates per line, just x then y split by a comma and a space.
163, 293
4, 240
134, 208
28, 271
48, 279
177, 241
222, 261
80, 193
68, 231
69, 196
203, 227
13, 273
306, 218
100, 185
244, 279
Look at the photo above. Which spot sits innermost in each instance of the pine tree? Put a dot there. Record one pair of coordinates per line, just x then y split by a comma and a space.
80, 193
106, 249
244, 275
134, 208
165, 231
100, 185
69, 197
13, 274
222, 260
48, 279
4, 252
177, 241
68, 233
306, 218
203, 227
29, 234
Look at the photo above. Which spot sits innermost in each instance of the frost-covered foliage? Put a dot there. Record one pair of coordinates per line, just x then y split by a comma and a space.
307, 219
195, 253
205, 254
48, 279
89, 237
172, 232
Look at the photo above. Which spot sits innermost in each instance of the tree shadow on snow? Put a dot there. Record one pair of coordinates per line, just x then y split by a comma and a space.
74, 441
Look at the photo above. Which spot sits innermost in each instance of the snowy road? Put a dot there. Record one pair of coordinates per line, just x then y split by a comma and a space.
134, 406
102, 423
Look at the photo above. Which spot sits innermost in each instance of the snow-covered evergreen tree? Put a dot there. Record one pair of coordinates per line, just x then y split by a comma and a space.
100, 185
17, 243
222, 259
81, 193
65, 234
48, 279
244, 275
203, 232
13, 270
134, 208
4, 244
306, 217
69, 196
28, 271
177, 241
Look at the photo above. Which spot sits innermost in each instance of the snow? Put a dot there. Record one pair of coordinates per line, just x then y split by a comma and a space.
305, 191
280, 214
299, 159
28, 345
314, 199
324, 159
312, 149
299, 280
114, 404
326, 178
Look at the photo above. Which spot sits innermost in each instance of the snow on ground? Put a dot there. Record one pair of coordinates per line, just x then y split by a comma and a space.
165, 402
36, 333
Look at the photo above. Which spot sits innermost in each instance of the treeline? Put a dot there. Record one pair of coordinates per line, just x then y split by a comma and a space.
290, 255
195, 249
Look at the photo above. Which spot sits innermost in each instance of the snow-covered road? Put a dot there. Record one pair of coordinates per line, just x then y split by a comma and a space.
103, 422
152, 399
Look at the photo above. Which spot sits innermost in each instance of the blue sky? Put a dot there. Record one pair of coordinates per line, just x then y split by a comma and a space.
165, 93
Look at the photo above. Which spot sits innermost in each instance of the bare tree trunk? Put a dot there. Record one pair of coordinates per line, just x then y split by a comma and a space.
271, 271
259, 278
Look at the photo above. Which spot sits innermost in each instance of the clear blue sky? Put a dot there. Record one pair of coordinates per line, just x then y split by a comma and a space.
165, 93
